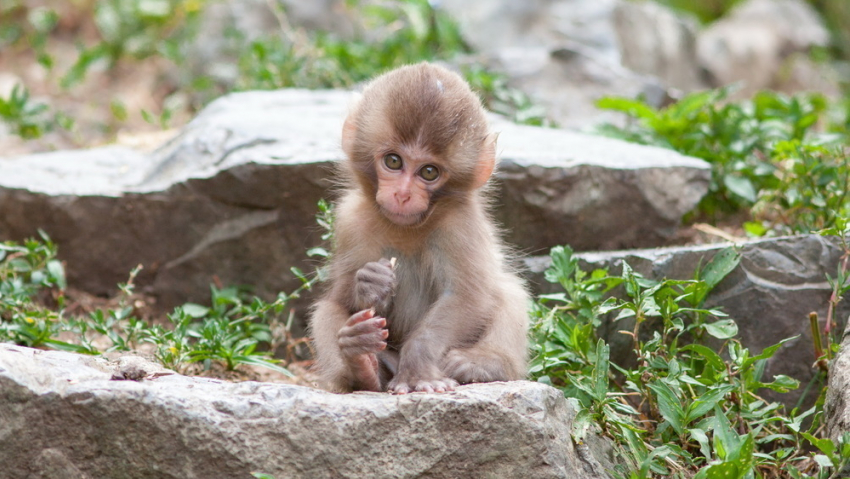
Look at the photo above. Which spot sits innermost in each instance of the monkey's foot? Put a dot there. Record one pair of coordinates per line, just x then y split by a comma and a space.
424, 386
471, 366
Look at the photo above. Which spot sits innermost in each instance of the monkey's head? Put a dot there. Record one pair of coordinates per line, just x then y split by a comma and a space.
418, 135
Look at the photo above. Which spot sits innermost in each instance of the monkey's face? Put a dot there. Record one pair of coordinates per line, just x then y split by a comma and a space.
407, 181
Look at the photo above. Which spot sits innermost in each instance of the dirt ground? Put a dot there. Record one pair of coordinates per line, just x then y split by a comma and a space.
133, 85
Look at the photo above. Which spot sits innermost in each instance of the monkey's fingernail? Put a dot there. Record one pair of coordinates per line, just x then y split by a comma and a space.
392, 262
372, 311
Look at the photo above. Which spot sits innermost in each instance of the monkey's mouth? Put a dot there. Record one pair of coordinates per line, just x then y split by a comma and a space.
401, 219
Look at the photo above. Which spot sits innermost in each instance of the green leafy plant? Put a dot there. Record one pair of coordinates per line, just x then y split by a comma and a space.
27, 270
136, 29
690, 404
25, 26
501, 98
410, 31
236, 329
28, 118
738, 139
812, 191
229, 332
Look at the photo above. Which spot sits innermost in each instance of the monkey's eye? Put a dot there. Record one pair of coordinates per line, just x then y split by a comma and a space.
429, 172
393, 161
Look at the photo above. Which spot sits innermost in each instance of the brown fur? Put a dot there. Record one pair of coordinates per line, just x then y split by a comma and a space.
457, 314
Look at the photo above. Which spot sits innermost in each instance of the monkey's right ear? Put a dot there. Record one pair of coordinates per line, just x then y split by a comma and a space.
486, 161
349, 131
349, 128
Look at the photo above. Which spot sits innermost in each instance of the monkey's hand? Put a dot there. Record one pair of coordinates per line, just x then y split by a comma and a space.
360, 339
374, 284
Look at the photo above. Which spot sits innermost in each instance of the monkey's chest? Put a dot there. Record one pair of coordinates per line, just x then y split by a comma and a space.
416, 291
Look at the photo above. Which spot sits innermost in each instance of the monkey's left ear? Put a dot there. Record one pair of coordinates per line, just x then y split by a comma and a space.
486, 161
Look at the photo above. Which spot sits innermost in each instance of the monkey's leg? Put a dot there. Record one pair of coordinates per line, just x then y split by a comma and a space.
362, 337
476, 365
501, 354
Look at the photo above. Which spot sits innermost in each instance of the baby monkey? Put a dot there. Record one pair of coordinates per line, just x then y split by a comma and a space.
420, 296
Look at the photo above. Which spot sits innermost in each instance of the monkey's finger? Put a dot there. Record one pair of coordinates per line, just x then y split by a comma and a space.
365, 333
374, 273
368, 326
351, 346
360, 316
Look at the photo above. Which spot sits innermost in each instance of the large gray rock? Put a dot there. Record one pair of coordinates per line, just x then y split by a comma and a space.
61, 416
564, 54
233, 197
770, 294
752, 42
653, 40
837, 407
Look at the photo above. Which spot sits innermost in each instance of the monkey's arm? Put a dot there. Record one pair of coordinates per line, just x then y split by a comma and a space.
347, 346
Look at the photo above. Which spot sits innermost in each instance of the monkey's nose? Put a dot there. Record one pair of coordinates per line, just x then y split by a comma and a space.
402, 197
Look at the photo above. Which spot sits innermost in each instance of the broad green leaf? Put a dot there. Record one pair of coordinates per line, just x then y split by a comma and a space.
706, 402
701, 437
755, 228
767, 352
723, 329
723, 263
724, 470
726, 440
195, 310
635, 108
581, 423
266, 364
781, 383
825, 445
822, 460
54, 267
741, 186
669, 405
600, 370
708, 354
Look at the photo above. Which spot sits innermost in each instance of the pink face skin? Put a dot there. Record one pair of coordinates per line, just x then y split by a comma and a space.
406, 180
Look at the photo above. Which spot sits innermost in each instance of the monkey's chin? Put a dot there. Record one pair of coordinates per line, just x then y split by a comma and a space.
400, 219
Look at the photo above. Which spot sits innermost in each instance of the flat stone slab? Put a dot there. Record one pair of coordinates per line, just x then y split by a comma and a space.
233, 197
61, 415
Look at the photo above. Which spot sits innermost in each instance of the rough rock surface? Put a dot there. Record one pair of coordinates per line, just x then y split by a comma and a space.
563, 53
752, 42
233, 197
770, 294
837, 407
62, 416
653, 40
